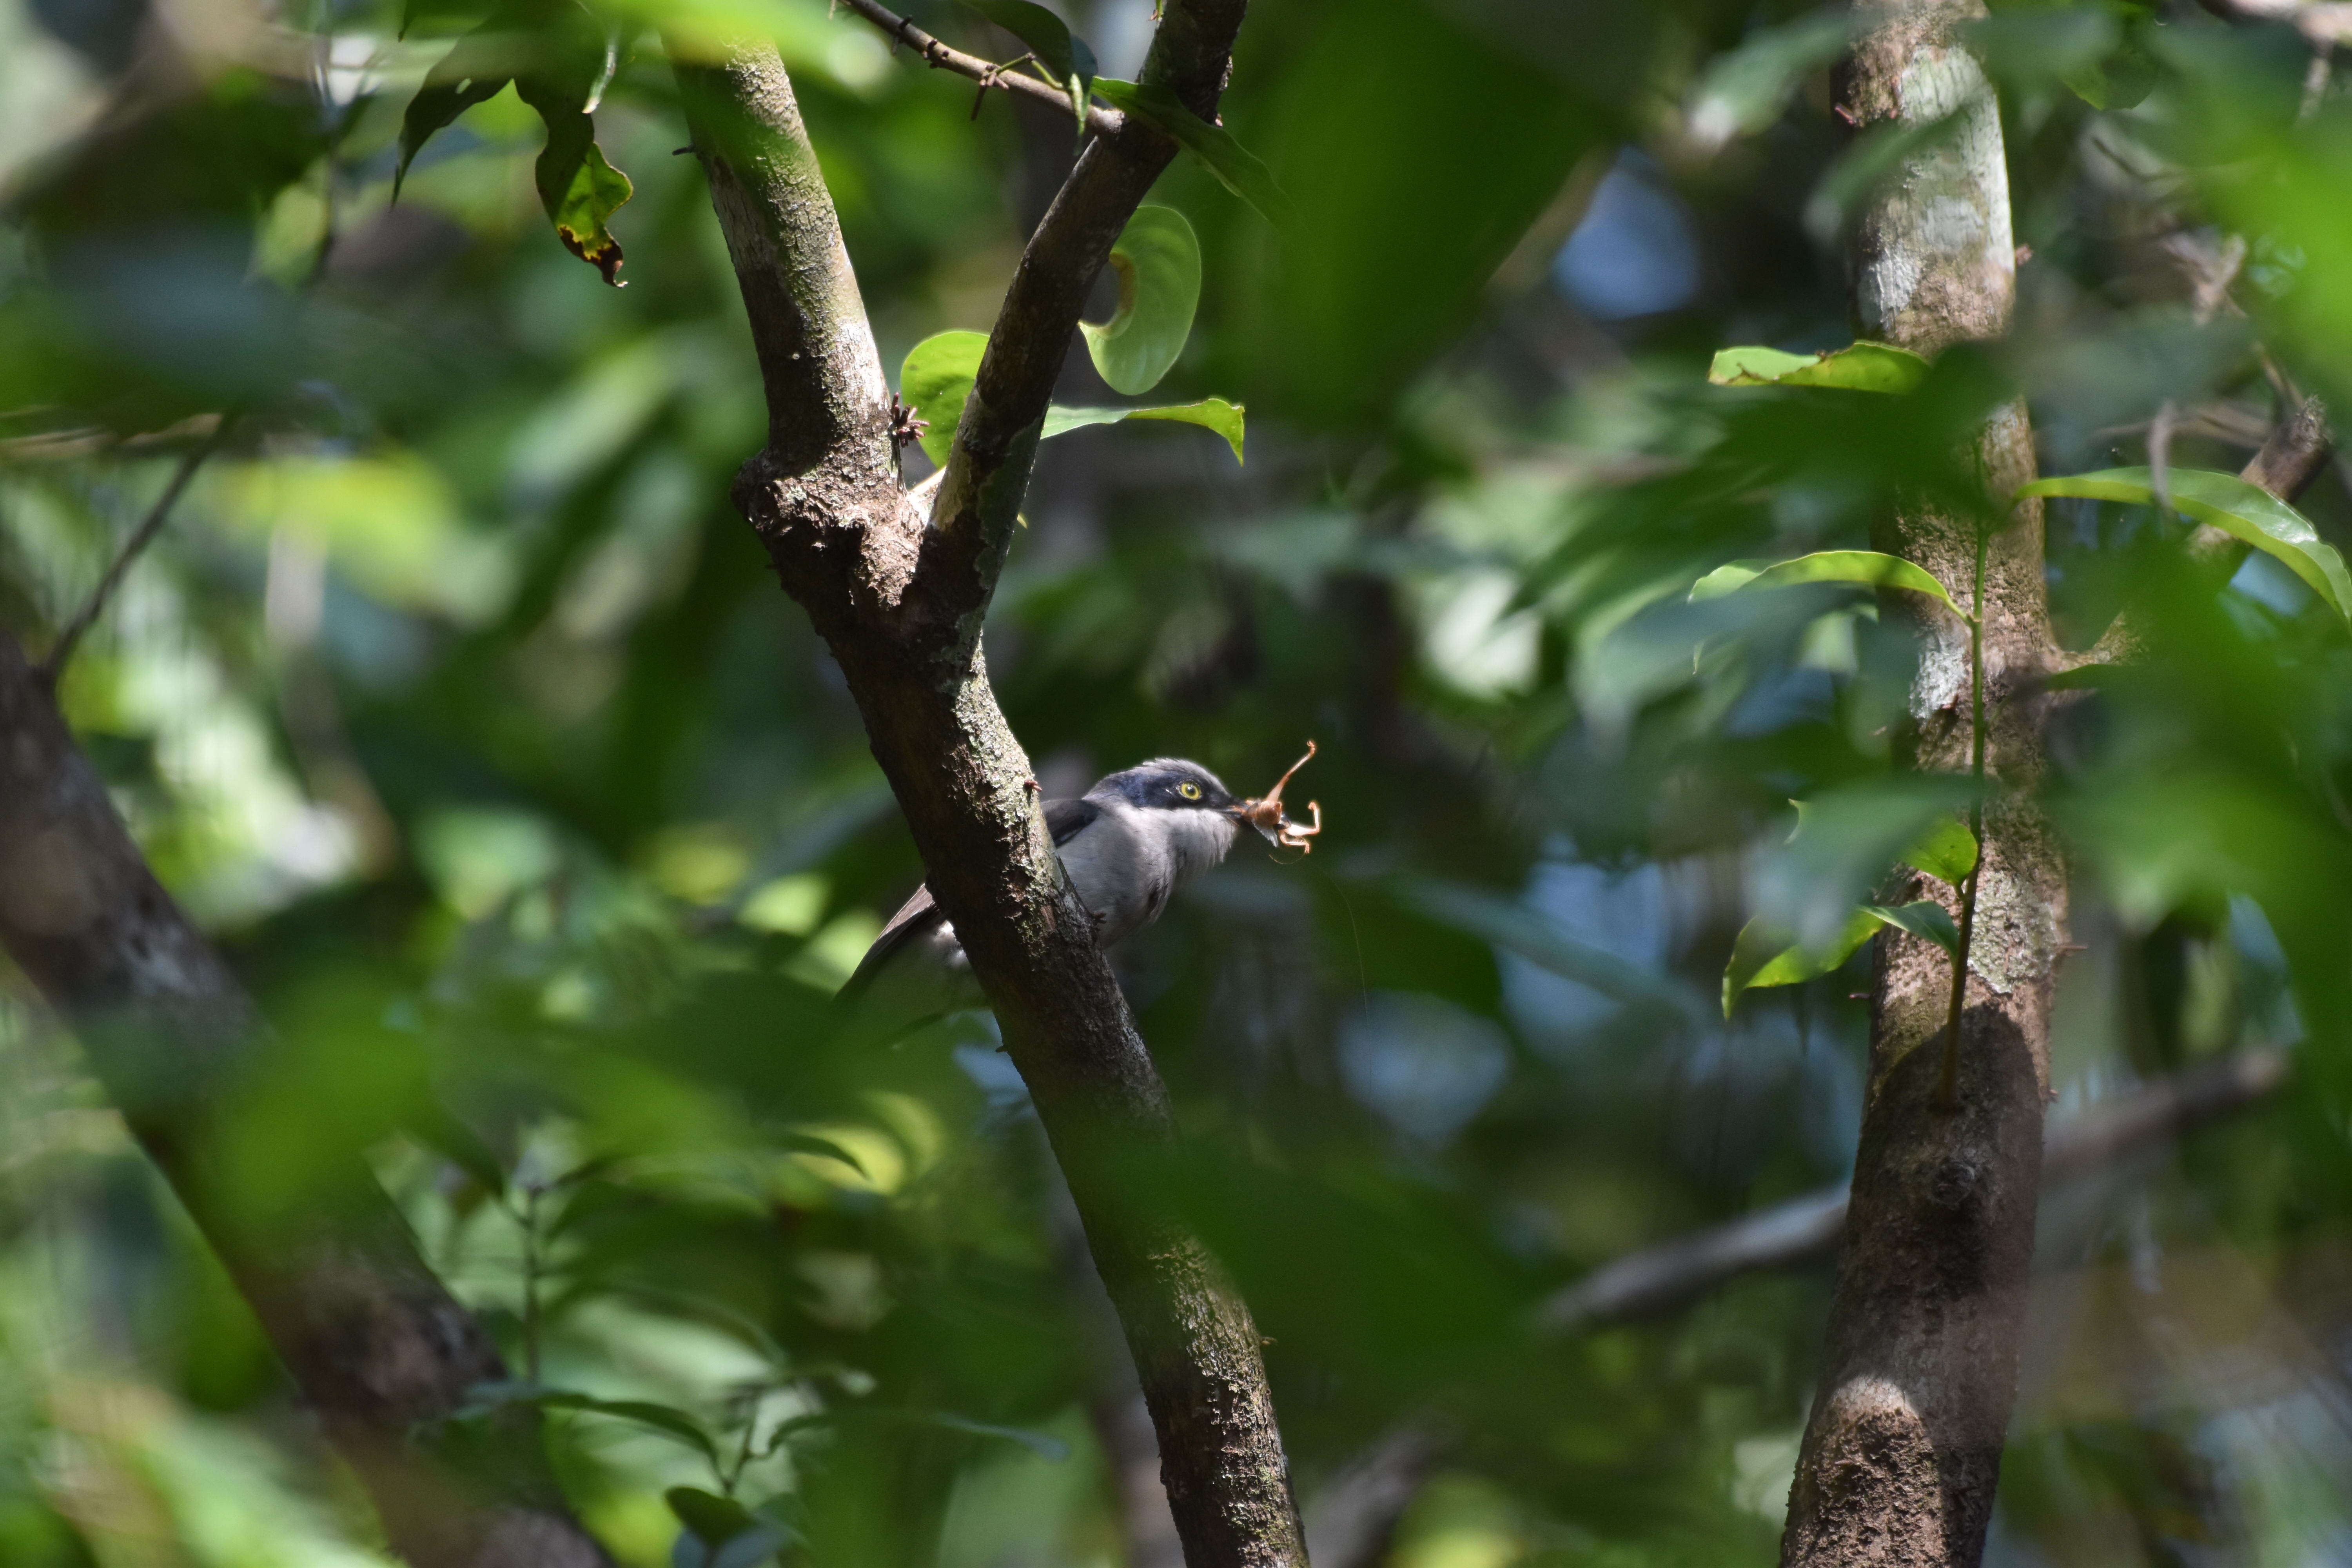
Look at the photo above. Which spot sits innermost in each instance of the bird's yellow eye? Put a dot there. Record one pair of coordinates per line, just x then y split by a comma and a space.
1189, 790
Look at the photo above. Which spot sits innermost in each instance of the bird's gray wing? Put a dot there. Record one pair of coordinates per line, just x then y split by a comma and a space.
919, 916
1063, 819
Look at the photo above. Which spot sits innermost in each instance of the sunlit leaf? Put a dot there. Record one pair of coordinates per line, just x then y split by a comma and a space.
937, 376
1864, 567
1923, 918
561, 68
1858, 367
1948, 853
1763, 955
1209, 413
935, 379
1157, 264
578, 189
2244, 511
1236, 167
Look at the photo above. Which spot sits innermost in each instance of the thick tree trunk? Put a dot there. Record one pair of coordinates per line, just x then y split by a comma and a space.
899, 598
1903, 1447
379, 1348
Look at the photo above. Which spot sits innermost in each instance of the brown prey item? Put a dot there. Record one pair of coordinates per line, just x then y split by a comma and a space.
1265, 814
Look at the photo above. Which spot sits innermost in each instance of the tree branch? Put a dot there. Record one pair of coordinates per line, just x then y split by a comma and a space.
379, 1350
1658, 1280
54, 664
987, 73
987, 472
900, 605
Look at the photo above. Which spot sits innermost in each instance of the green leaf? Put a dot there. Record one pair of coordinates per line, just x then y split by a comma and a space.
1047, 35
2244, 511
1234, 166
433, 1124
1763, 955
1859, 367
1158, 262
935, 379
937, 375
1211, 413
1867, 567
1924, 918
714, 1519
1744, 89
643, 1413
578, 189
476, 68
1723, 579
2117, 82
561, 68
720, 1533
1948, 853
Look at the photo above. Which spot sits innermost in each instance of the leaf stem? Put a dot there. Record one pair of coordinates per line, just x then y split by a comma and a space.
530, 1282
1947, 1086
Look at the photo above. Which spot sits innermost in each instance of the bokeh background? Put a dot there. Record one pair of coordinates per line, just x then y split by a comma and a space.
462, 708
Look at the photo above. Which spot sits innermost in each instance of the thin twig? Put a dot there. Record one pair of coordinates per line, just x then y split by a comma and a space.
52, 666
1947, 1085
987, 73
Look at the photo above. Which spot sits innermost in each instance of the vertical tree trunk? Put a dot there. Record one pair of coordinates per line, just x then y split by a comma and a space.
379, 1350
1903, 1447
901, 598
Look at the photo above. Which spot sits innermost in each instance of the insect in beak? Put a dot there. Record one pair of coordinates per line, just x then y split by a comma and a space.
1265, 814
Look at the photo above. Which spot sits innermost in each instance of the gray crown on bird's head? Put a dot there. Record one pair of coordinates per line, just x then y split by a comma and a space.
1168, 784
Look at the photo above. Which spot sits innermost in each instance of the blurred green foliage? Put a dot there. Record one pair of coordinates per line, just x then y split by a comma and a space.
461, 707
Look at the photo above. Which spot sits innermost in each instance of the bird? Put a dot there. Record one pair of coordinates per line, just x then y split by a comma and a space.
1128, 843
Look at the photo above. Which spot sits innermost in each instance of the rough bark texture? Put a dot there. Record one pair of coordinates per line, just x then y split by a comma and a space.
900, 602
379, 1349
1902, 1447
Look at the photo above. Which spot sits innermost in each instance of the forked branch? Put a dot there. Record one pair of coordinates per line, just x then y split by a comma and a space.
899, 598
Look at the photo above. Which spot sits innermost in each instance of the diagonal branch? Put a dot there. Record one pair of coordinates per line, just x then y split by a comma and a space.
987, 472
901, 603
987, 73
54, 664
1673, 1273
378, 1347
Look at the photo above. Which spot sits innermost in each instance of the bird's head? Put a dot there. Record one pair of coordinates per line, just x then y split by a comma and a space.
1170, 783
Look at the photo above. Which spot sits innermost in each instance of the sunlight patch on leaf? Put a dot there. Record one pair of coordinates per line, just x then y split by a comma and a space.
2244, 511
1860, 367
1157, 261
